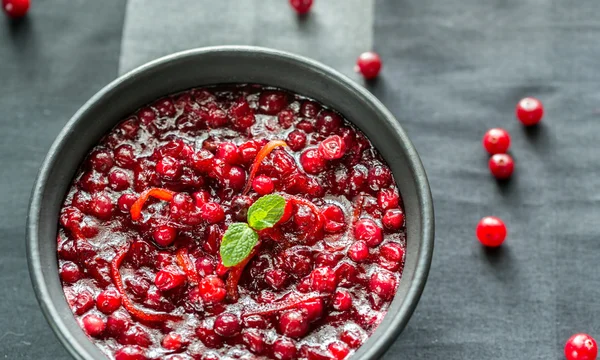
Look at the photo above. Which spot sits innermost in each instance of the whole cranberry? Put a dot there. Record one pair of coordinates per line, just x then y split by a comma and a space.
339, 350
296, 140
173, 342
369, 64
124, 156
228, 152
332, 148
118, 180
131, 352
293, 323
69, 272
147, 116
358, 251
164, 235
169, 168
301, 6
272, 102
286, 118
118, 323
212, 289
255, 321
16, 8
125, 201
227, 325
235, 178
263, 185
379, 177
254, 341
491, 231
496, 141
108, 301
312, 161
530, 111
284, 349
205, 266
169, 278
101, 206
165, 107
501, 166
100, 160
342, 300
383, 283
581, 347
313, 308
327, 122
212, 212
393, 219
369, 231
352, 337
388, 199
93, 325
392, 251
323, 279
276, 278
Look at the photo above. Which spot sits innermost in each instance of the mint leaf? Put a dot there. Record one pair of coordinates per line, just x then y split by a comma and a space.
266, 211
237, 244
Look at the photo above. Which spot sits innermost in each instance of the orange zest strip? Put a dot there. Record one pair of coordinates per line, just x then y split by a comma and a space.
272, 308
262, 154
313, 208
127, 303
184, 262
162, 194
235, 273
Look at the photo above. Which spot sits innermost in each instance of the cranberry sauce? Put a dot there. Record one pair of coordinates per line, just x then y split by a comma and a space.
147, 282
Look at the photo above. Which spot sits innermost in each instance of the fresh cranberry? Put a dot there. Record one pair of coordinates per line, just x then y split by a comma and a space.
312, 162
379, 177
339, 350
263, 185
272, 102
383, 284
69, 272
284, 349
332, 148
313, 308
369, 64
369, 231
132, 352
392, 251
118, 180
496, 141
212, 212
93, 325
164, 235
227, 325
581, 347
169, 168
235, 178
301, 6
169, 278
108, 301
124, 156
501, 166
16, 8
82, 302
342, 300
228, 152
323, 279
296, 140
276, 278
358, 251
491, 231
351, 337
530, 111
293, 323
212, 289
125, 201
393, 219
254, 341
173, 342
388, 199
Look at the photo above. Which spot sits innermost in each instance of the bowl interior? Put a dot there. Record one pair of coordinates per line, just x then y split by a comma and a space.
217, 66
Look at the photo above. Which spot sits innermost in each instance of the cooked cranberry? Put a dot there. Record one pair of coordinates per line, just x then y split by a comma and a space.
305, 218
228, 152
393, 219
305, 126
297, 264
339, 350
491, 231
101, 161
236, 178
69, 272
296, 140
254, 341
212, 289
379, 177
272, 102
131, 352
181, 205
313, 308
263, 185
93, 181
101, 206
108, 301
301, 6
201, 197
369, 231
227, 325
93, 325
248, 151
323, 279
581, 347
212, 212
286, 118
16, 8
169, 168
284, 349
342, 300
205, 266
351, 337
165, 107
82, 302
118, 323
202, 161
369, 64
210, 356
496, 141
328, 122
530, 111
147, 115
164, 235
255, 321
383, 283
312, 161
140, 254
118, 180
357, 180
125, 201
501, 166
173, 342
293, 323
138, 286
169, 278
392, 251
358, 251
136, 335
387, 199
209, 337
124, 156
276, 278
332, 148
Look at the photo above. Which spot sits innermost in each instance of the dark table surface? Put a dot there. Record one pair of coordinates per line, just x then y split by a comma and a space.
452, 69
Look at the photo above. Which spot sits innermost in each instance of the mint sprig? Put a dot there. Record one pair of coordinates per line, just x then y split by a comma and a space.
240, 238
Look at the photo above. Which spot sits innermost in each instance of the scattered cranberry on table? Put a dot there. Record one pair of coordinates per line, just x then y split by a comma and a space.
529, 111
491, 231
496, 141
501, 166
581, 347
369, 65
301, 6
16, 8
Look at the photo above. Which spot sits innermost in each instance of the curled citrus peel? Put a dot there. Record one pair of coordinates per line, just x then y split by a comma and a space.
184, 262
262, 154
158, 193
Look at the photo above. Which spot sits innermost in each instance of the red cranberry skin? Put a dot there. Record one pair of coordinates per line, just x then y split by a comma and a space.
369, 64
359, 251
383, 283
118, 180
93, 325
581, 347
212, 289
101, 206
229, 153
124, 156
327, 122
82, 302
388, 199
529, 111
263, 185
132, 352
393, 219
254, 341
301, 6
369, 231
332, 148
118, 323
70, 273
339, 350
392, 251
491, 231
169, 278
312, 162
173, 342
108, 301
323, 279
501, 166
293, 323
379, 177
101, 161
164, 235
496, 141
284, 349
342, 300
16, 8
313, 309
272, 102
227, 325
169, 168
352, 338
125, 201
212, 212
276, 278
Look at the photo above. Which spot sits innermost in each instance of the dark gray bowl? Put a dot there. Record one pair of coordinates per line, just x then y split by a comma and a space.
216, 65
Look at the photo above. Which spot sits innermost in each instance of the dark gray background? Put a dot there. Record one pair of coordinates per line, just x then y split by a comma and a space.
452, 69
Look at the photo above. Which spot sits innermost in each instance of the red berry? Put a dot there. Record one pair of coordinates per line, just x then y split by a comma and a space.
93, 325
284, 349
501, 166
312, 161
323, 279
293, 323
16, 8
168, 168
530, 111
367, 230
212, 212
132, 352
169, 278
228, 152
296, 140
393, 219
108, 301
388, 199
69, 272
172, 341
332, 148
383, 283
164, 235
581, 347
369, 64
339, 350
491, 231
212, 289
227, 325
359, 251
342, 300
392, 251
496, 141
301, 6
263, 185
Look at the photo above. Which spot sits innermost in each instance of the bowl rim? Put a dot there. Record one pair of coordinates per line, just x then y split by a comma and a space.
378, 345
